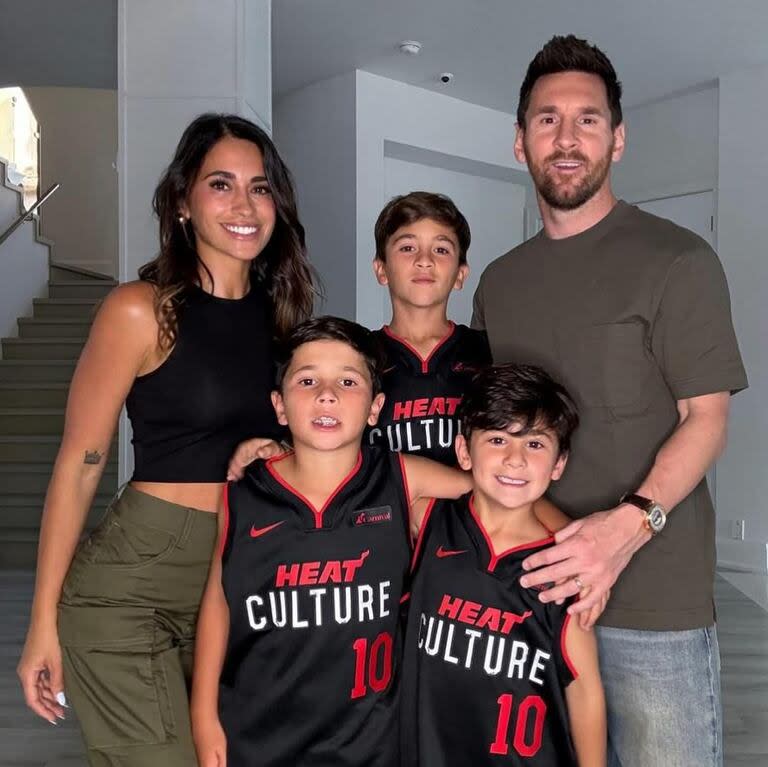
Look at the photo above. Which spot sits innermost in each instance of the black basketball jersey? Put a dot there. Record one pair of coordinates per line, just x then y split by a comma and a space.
311, 674
485, 665
419, 413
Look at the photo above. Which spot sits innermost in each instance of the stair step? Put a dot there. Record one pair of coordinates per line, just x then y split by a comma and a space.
37, 370
63, 271
24, 511
18, 479
18, 549
53, 327
37, 448
28, 421
80, 288
84, 308
18, 448
33, 395
42, 348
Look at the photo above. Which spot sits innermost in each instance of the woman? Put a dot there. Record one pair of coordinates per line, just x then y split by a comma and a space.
188, 349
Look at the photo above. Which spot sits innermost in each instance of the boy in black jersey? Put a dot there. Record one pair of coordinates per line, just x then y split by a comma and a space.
493, 676
421, 256
298, 644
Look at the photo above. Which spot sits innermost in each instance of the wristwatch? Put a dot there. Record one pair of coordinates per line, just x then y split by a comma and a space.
655, 513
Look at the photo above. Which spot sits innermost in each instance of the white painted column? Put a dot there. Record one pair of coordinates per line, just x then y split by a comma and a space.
176, 60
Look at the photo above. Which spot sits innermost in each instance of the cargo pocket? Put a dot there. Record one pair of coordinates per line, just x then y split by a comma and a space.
115, 676
123, 544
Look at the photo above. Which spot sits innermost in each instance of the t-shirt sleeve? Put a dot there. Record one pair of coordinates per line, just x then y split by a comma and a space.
478, 309
693, 336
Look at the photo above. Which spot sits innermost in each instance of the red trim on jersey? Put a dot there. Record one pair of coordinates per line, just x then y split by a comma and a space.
494, 556
225, 510
420, 537
564, 650
424, 360
405, 597
318, 514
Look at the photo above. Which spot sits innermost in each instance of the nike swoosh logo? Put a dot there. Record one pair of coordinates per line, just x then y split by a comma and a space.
441, 552
256, 532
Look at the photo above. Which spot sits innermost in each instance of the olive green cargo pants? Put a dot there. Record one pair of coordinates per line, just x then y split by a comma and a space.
127, 620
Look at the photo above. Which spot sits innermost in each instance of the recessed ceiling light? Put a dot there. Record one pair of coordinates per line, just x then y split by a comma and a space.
410, 47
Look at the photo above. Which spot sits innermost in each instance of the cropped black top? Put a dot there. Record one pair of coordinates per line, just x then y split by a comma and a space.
211, 393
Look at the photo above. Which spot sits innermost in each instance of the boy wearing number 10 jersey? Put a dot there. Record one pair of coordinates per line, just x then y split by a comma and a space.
299, 644
493, 676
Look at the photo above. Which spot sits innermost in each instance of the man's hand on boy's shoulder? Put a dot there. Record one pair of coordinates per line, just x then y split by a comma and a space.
247, 452
588, 557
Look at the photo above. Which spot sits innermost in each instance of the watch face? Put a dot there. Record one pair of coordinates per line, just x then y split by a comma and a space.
656, 518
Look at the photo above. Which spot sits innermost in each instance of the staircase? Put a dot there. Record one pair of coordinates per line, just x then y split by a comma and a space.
35, 371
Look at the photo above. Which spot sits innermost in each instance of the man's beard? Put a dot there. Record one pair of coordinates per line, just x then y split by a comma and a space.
569, 196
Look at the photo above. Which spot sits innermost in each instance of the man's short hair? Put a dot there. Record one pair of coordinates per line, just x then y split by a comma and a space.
416, 206
501, 395
333, 329
571, 54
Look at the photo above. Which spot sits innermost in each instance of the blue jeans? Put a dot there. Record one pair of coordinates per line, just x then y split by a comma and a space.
662, 689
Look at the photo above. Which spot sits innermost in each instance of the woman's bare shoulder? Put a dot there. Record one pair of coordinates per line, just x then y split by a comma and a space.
130, 308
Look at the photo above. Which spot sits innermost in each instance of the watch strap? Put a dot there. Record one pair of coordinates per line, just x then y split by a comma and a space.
640, 501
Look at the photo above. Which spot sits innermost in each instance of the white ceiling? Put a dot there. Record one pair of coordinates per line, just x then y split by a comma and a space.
657, 46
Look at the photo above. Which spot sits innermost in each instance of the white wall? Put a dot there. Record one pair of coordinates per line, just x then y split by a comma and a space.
78, 149
742, 480
315, 134
173, 65
493, 208
391, 111
23, 264
671, 147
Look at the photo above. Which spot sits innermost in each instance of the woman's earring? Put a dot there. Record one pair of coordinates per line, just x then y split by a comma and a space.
182, 220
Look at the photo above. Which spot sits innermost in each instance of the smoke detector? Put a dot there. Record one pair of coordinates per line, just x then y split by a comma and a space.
410, 47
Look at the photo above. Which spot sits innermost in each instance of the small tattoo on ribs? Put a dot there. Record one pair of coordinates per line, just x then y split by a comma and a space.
92, 456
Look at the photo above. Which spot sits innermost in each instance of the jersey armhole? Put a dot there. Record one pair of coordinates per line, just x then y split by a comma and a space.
568, 671
404, 479
223, 543
422, 533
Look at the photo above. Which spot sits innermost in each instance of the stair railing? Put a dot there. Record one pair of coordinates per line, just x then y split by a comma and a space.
27, 214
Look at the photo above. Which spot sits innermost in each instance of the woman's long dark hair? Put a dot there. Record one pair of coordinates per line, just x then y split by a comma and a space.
282, 266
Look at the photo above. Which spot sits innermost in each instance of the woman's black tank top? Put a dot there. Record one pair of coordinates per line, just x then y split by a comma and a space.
211, 393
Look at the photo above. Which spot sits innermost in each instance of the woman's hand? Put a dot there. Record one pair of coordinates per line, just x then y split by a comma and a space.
210, 743
248, 451
41, 675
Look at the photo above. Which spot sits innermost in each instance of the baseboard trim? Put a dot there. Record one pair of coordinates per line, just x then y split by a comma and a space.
742, 556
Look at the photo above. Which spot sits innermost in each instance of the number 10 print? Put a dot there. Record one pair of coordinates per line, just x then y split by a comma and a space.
533, 704
372, 668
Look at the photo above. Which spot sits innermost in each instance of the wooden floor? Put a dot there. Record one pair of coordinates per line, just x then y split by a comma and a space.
26, 741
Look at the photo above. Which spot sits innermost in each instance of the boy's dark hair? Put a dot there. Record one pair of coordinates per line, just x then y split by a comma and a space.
500, 395
571, 54
416, 206
333, 329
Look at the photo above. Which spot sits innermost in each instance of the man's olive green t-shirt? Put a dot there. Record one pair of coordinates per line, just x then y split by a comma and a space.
631, 315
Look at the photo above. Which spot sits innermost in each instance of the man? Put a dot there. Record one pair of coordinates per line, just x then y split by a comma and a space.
632, 314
